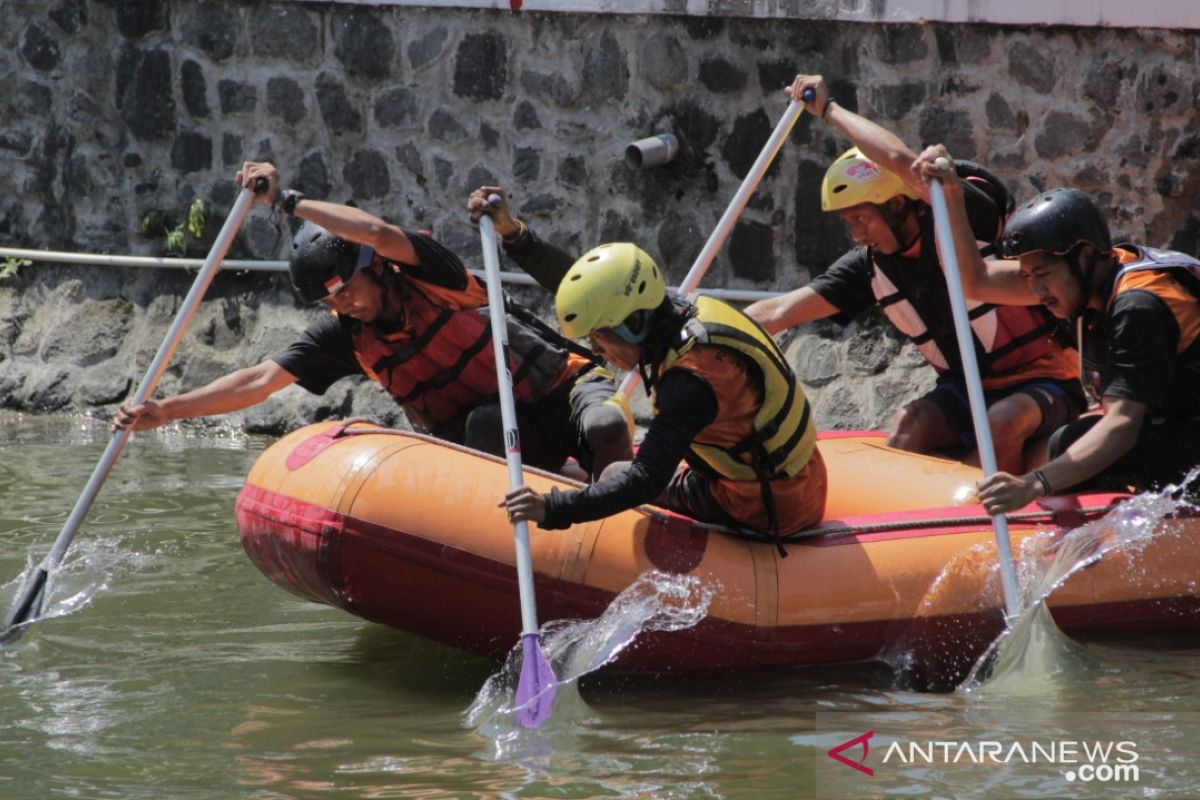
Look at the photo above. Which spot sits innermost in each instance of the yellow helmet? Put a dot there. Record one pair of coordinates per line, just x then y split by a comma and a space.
605, 286
853, 179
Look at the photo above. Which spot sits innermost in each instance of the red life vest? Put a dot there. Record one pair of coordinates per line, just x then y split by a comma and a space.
1012, 343
441, 365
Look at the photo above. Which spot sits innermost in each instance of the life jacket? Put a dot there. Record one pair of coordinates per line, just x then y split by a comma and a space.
766, 432
763, 434
442, 365
1175, 279
913, 294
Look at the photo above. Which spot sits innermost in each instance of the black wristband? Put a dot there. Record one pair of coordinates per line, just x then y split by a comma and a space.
825, 110
287, 201
1044, 481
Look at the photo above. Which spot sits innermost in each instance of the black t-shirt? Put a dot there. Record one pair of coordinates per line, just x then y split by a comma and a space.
686, 404
1141, 361
847, 282
324, 353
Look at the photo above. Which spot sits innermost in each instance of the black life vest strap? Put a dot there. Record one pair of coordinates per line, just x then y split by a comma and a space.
451, 374
547, 332
414, 346
1044, 329
530, 359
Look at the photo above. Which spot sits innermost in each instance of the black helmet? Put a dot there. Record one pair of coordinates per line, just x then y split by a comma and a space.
321, 262
1055, 222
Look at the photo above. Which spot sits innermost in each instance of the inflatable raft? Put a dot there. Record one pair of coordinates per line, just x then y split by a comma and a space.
404, 530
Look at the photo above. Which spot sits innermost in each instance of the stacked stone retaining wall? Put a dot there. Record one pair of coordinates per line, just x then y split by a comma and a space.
115, 112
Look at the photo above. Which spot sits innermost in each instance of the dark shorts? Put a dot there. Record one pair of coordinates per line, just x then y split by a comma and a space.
556, 427
1167, 449
797, 501
689, 493
1059, 401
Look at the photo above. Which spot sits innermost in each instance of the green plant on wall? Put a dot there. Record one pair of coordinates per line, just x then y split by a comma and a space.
158, 222
9, 266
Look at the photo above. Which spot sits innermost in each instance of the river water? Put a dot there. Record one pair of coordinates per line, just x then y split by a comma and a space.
168, 667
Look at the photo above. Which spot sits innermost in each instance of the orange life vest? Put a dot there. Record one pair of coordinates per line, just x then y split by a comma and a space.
761, 447
1175, 279
441, 365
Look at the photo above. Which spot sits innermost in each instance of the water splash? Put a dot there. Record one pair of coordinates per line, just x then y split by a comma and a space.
90, 569
656, 601
936, 650
1032, 657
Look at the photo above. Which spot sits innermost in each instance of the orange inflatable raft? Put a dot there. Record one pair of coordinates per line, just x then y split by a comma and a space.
404, 530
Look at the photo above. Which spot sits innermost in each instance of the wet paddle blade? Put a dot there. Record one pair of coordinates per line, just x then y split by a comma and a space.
26, 608
536, 689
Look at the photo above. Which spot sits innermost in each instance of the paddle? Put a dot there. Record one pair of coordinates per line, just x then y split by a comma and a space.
966, 349
537, 685
28, 604
717, 238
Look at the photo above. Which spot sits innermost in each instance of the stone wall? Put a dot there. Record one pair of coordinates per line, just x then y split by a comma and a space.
117, 110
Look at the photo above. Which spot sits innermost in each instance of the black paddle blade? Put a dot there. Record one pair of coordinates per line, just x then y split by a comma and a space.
26, 608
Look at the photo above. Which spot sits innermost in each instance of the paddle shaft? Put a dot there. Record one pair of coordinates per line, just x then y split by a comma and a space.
508, 416
966, 349
29, 602
717, 238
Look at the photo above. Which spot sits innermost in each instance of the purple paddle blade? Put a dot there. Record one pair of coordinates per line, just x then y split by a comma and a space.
536, 688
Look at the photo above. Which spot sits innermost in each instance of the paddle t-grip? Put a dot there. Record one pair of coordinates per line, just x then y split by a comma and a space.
494, 200
941, 162
261, 184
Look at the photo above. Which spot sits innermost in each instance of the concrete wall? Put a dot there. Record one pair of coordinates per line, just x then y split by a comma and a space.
113, 110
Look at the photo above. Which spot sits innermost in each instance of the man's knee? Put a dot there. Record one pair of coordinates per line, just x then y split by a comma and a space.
920, 426
484, 429
1014, 419
613, 469
607, 431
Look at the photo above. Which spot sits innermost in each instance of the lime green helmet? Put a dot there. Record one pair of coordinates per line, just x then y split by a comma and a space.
605, 287
854, 179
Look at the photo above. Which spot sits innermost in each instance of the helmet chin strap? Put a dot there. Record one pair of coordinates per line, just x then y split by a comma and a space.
384, 321
895, 223
1086, 275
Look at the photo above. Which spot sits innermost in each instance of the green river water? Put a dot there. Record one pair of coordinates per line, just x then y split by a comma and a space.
169, 667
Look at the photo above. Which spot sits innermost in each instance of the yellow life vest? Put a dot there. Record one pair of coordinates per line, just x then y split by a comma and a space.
783, 435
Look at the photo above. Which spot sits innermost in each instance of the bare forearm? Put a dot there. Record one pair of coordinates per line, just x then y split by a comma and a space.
997, 282
798, 306
233, 392
971, 267
359, 226
876, 142
768, 313
1112, 437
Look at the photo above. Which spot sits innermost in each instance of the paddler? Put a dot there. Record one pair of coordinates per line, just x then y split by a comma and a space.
1136, 313
1028, 377
405, 312
725, 400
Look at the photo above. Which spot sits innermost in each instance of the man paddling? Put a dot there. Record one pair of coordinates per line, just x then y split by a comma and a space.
406, 313
1136, 312
1028, 378
724, 396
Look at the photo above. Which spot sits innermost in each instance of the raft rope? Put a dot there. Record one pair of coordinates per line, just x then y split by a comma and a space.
883, 527
798, 536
